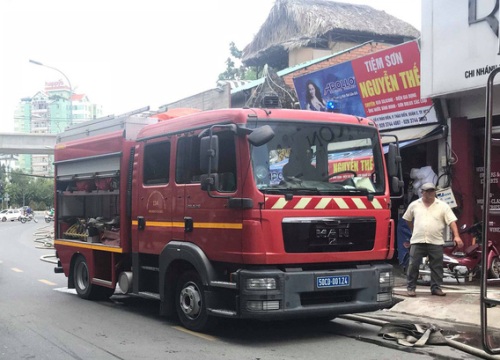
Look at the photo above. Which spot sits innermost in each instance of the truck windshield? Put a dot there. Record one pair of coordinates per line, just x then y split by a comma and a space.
305, 158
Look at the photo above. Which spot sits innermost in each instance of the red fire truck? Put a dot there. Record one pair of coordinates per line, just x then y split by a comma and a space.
187, 211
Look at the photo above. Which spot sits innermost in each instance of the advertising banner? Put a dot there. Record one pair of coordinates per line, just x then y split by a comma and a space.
384, 86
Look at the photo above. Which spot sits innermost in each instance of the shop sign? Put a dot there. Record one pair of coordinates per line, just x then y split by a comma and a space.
340, 163
459, 45
447, 196
384, 86
494, 202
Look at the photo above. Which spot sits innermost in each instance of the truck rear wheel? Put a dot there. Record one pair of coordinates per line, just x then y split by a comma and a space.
84, 288
190, 302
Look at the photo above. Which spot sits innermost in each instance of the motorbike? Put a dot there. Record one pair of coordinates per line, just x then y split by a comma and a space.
49, 216
462, 265
26, 218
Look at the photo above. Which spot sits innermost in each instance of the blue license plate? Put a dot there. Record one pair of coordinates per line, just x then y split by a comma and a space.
333, 281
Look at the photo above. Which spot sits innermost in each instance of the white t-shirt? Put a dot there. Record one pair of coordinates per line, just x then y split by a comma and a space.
429, 222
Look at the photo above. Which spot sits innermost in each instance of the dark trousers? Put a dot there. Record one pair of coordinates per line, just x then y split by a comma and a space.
435, 254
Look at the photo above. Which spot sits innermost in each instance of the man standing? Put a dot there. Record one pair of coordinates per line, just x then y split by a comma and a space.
427, 218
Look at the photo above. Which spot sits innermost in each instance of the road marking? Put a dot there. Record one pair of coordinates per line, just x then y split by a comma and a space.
16, 270
194, 333
47, 282
66, 290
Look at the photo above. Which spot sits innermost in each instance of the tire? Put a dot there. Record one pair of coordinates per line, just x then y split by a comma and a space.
23, 220
47, 220
84, 288
190, 303
494, 270
4, 219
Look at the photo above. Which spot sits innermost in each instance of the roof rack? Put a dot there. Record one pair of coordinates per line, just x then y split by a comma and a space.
131, 122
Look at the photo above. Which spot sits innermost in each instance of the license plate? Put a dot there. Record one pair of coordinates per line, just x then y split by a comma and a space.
333, 281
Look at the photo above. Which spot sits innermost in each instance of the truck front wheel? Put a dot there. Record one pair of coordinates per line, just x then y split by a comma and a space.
190, 302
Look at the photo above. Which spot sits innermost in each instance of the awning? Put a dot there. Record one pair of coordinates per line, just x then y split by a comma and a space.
414, 135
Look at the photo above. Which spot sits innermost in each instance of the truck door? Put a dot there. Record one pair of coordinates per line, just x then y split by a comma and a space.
152, 209
208, 222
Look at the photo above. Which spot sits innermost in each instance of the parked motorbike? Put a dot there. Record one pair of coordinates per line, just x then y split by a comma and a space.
467, 264
26, 218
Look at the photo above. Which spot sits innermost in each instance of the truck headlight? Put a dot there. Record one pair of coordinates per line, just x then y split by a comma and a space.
261, 284
385, 279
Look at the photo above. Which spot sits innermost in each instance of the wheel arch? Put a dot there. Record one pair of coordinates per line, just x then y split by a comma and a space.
176, 258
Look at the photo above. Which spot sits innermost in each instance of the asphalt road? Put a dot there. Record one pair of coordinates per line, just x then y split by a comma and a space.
41, 319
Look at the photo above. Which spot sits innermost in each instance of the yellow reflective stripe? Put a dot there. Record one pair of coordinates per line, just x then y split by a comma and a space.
323, 203
83, 245
376, 204
341, 203
359, 203
195, 225
302, 203
161, 223
217, 226
280, 204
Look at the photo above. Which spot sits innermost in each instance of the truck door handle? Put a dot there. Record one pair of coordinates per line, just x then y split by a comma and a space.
141, 222
188, 224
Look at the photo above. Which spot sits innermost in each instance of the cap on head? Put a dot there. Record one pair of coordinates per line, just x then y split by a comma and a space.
428, 186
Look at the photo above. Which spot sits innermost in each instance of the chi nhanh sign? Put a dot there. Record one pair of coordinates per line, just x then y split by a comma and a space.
460, 45
384, 86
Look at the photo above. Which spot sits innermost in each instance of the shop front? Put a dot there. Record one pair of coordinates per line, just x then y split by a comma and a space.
459, 49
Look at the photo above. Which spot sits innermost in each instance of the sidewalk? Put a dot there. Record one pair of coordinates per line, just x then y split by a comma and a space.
460, 305
458, 313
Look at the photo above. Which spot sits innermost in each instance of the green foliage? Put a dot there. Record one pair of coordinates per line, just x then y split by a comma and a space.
23, 189
233, 72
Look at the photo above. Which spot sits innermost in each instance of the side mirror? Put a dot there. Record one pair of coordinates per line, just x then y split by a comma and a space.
209, 154
261, 135
396, 185
393, 160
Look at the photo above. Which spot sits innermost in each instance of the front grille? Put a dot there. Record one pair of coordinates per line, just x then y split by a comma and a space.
309, 235
326, 297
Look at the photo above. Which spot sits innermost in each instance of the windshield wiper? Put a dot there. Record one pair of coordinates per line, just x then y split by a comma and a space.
313, 191
364, 192
295, 190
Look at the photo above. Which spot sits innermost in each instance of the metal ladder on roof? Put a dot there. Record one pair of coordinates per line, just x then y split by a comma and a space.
487, 302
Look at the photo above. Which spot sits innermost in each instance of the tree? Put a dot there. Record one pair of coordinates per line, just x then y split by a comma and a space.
25, 189
237, 73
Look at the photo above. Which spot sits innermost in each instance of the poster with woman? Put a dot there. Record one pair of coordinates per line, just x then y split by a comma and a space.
334, 90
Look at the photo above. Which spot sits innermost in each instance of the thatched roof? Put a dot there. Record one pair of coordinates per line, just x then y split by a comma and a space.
298, 23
